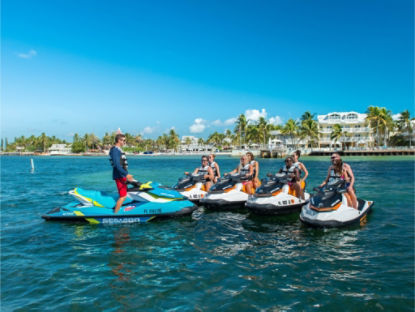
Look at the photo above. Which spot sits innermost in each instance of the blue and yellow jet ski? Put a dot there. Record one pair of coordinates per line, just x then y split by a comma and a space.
144, 202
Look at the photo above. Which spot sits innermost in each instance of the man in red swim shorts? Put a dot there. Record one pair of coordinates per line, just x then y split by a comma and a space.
119, 169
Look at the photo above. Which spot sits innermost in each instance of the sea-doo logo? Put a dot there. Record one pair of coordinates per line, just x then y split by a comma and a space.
120, 220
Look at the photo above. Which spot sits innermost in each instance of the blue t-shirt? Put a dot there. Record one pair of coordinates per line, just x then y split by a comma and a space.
117, 170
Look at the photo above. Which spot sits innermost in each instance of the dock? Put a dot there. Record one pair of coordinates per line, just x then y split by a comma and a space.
375, 152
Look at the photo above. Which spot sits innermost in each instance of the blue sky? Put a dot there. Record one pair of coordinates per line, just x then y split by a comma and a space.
148, 66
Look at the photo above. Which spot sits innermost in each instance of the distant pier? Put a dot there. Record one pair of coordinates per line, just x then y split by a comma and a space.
370, 152
380, 152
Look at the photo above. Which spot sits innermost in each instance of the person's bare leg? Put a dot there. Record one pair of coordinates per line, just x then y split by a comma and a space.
119, 204
207, 186
353, 198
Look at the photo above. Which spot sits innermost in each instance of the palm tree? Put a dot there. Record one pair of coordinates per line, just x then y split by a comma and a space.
309, 127
240, 127
173, 140
264, 129
405, 125
336, 133
252, 134
44, 141
380, 118
291, 129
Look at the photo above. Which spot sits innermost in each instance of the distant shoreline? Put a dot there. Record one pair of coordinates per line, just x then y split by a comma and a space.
348, 153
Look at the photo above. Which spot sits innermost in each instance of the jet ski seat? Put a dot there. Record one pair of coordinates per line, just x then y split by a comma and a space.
96, 198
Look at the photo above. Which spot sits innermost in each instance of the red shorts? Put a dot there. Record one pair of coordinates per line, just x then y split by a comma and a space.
121, 186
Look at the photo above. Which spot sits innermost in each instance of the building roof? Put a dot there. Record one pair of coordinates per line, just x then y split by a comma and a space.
342, 117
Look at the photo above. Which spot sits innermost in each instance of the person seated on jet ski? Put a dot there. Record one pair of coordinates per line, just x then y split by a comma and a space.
215, 168
207, 172
342, 171
294, 175
255, 166
301, 168
247, 172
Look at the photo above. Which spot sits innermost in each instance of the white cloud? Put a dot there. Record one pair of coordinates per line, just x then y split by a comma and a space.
254, 114
230, 121
396, 116
148, 130
198, 126
27, 55
275, 120
217, 123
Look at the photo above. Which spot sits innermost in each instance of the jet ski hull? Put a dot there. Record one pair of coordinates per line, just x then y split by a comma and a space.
343, 216
135, 212
223, 204
271, 209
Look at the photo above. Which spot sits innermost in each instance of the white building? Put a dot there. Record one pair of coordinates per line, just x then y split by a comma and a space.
356, 133
60, 149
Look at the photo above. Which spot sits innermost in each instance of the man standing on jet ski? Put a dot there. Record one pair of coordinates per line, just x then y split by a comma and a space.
294, 174
119, 169
342, 171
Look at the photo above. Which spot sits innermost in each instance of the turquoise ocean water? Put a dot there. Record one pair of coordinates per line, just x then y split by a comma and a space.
211, 261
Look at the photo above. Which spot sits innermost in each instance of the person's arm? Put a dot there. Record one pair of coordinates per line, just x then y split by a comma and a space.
351, 175
296, 175
251, 171
210, 174
196, 170
217, 169
305, 171
116, 157
256, 169
327, 178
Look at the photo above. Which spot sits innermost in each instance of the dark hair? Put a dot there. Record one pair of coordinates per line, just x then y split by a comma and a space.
204, 156
338, 168
118, 137
250, 155
298, 153
289, 158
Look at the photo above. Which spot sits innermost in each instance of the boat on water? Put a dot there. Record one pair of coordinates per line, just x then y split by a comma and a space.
328, 207
228, 193
144, 202
192, 186
276, 197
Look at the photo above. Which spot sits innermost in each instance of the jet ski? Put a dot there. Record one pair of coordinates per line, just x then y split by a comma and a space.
144, 202
191, 186
227, 193
328, 207
275, 197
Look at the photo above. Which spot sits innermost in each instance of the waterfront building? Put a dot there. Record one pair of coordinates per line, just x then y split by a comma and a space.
60, 149
355, 131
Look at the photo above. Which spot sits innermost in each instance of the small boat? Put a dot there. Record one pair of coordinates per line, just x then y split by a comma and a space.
275, 197
144, 202
328, 207
192, 186
227, 194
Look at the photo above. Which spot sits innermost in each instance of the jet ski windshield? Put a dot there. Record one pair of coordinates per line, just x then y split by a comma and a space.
271, 184
188, 180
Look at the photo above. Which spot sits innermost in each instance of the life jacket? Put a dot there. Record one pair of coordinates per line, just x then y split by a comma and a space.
297, 165
334, 176
290, 170
215, 172
123, 159
244, 171
203, 170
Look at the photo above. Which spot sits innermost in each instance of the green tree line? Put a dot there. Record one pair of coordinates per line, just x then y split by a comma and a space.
386, 131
